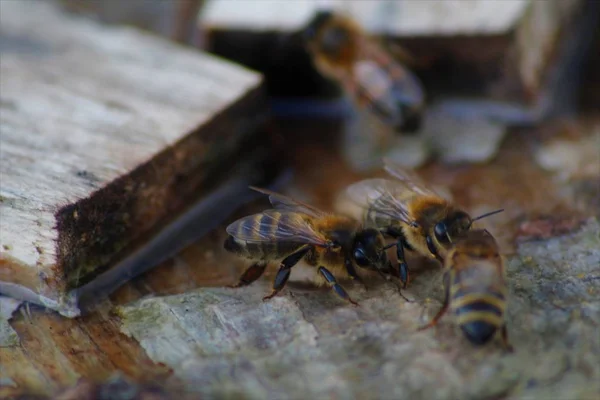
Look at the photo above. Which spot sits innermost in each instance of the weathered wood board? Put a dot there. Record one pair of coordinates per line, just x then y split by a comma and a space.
554, 291
173, 19
519, 54
398, 18
305, 342
105, 133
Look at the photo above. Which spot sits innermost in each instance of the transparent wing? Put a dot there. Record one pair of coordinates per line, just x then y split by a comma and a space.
382, 196
389, 89
281, 202
480, 275
276, 226
404, 86
409, 179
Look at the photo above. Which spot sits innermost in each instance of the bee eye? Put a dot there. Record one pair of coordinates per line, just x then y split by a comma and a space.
361, 259
441, 232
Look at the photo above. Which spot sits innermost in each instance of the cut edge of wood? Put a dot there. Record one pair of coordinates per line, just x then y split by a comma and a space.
82, 256
181, 171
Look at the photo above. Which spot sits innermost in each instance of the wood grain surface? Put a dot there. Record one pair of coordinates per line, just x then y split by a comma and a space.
105, 132
54, 352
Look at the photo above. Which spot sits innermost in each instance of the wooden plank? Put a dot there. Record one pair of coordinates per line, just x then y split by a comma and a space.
106, 133
233, 342
515, 53
398, 18
82, 354
41, 351
55, 352
321, 177
221, 341
19, 373
124, 353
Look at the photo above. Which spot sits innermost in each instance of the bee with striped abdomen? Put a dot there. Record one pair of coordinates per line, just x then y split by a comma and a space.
410, 211
292, 231
475, 288
341, 50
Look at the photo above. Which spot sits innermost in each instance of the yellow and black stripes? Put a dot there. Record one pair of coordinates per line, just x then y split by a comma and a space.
257, 228
479, 311
294, 231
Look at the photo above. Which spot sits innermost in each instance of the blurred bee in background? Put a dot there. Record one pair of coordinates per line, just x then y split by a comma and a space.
475, 288
293, 231
341, 50
410, 211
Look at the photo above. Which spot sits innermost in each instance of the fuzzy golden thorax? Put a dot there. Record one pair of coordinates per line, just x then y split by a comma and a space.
437, 222
337, 228
363, 247
474, 245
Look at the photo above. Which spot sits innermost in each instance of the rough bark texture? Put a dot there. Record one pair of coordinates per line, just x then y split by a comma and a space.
546, 178
226, 342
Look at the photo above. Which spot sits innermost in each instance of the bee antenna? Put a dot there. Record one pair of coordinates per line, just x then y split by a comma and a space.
486, 215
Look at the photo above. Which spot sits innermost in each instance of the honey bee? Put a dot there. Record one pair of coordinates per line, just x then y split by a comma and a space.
413, 213
475, 288
342, 51
292, 231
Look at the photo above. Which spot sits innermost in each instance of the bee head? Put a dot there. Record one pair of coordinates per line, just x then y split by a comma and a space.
444, 232
312, 29
368, 250
454, 225
331, 36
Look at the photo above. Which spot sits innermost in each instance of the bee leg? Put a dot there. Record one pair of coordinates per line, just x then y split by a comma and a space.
435, 319
353, 274
401, 245
337, 288
284, 270
432, 249
251, 274
505, 342
442, 311
387, 278
402, 267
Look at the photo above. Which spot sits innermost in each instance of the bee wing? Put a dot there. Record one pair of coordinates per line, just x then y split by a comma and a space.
403, 84
276, 226
390, 89
480, 275
382, 196
282, 202
409, 179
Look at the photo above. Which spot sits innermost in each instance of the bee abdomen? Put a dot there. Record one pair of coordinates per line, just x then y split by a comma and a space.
244, 249
264, 251
479, 315
478, 332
